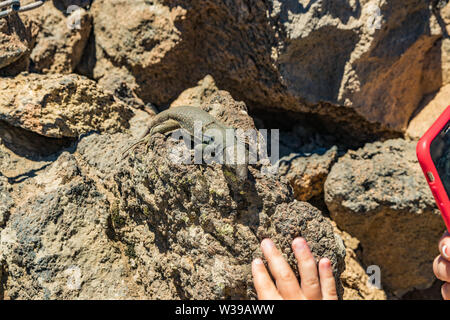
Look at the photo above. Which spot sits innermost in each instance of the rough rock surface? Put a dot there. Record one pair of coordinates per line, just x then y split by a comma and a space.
6, 200
307, 173
17, 38
379, 195
62, 39
432, 108
56, 233
362, 66
94, 226
261, 53
354, 278
59, 106
197, 95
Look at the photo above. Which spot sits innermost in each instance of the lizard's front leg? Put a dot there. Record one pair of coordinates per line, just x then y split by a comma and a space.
164, 127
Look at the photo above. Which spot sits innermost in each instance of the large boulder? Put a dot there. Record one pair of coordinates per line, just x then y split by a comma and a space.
341, 61
94, 225
197, 95
60, 106
379, 195
55, 243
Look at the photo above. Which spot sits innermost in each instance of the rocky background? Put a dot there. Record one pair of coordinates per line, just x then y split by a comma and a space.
352, 85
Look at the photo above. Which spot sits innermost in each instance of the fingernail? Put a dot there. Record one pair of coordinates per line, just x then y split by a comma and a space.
299, 243
258, 261
444, 251
267, 243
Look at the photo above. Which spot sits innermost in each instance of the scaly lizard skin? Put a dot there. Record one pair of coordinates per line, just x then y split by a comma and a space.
185, 117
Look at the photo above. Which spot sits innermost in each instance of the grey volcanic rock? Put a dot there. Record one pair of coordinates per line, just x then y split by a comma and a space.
95, 226
342, 61
379, 195
55, 246
208, 225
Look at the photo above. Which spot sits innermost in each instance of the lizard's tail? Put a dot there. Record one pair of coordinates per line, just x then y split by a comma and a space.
134, 145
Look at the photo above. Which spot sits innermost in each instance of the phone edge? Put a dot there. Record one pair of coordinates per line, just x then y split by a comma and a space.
427, 165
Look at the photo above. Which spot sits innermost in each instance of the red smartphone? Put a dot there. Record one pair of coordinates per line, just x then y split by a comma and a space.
433, 152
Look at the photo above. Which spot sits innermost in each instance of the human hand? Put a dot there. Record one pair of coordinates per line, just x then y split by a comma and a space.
441, 265
315, 284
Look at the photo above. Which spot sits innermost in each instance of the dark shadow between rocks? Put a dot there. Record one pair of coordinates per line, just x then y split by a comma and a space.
3, 281
338, 126
63, 5
31, 145
88, 59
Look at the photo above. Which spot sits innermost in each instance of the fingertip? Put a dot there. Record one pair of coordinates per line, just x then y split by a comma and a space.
325, 263
267, 244
299, 243
264, 286
258, 262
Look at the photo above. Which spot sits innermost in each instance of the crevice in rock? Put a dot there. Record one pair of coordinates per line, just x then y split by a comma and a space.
88, 59
31, 145
437, 6
319, 203
180, 289
339, 126
62, 5
3, 281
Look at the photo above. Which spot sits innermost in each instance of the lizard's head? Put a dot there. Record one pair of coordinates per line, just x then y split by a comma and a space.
220, 143
215, 137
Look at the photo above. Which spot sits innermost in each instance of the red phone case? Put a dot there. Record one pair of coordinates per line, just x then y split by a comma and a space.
426, 162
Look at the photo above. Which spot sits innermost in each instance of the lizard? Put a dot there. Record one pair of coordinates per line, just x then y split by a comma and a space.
185, 117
